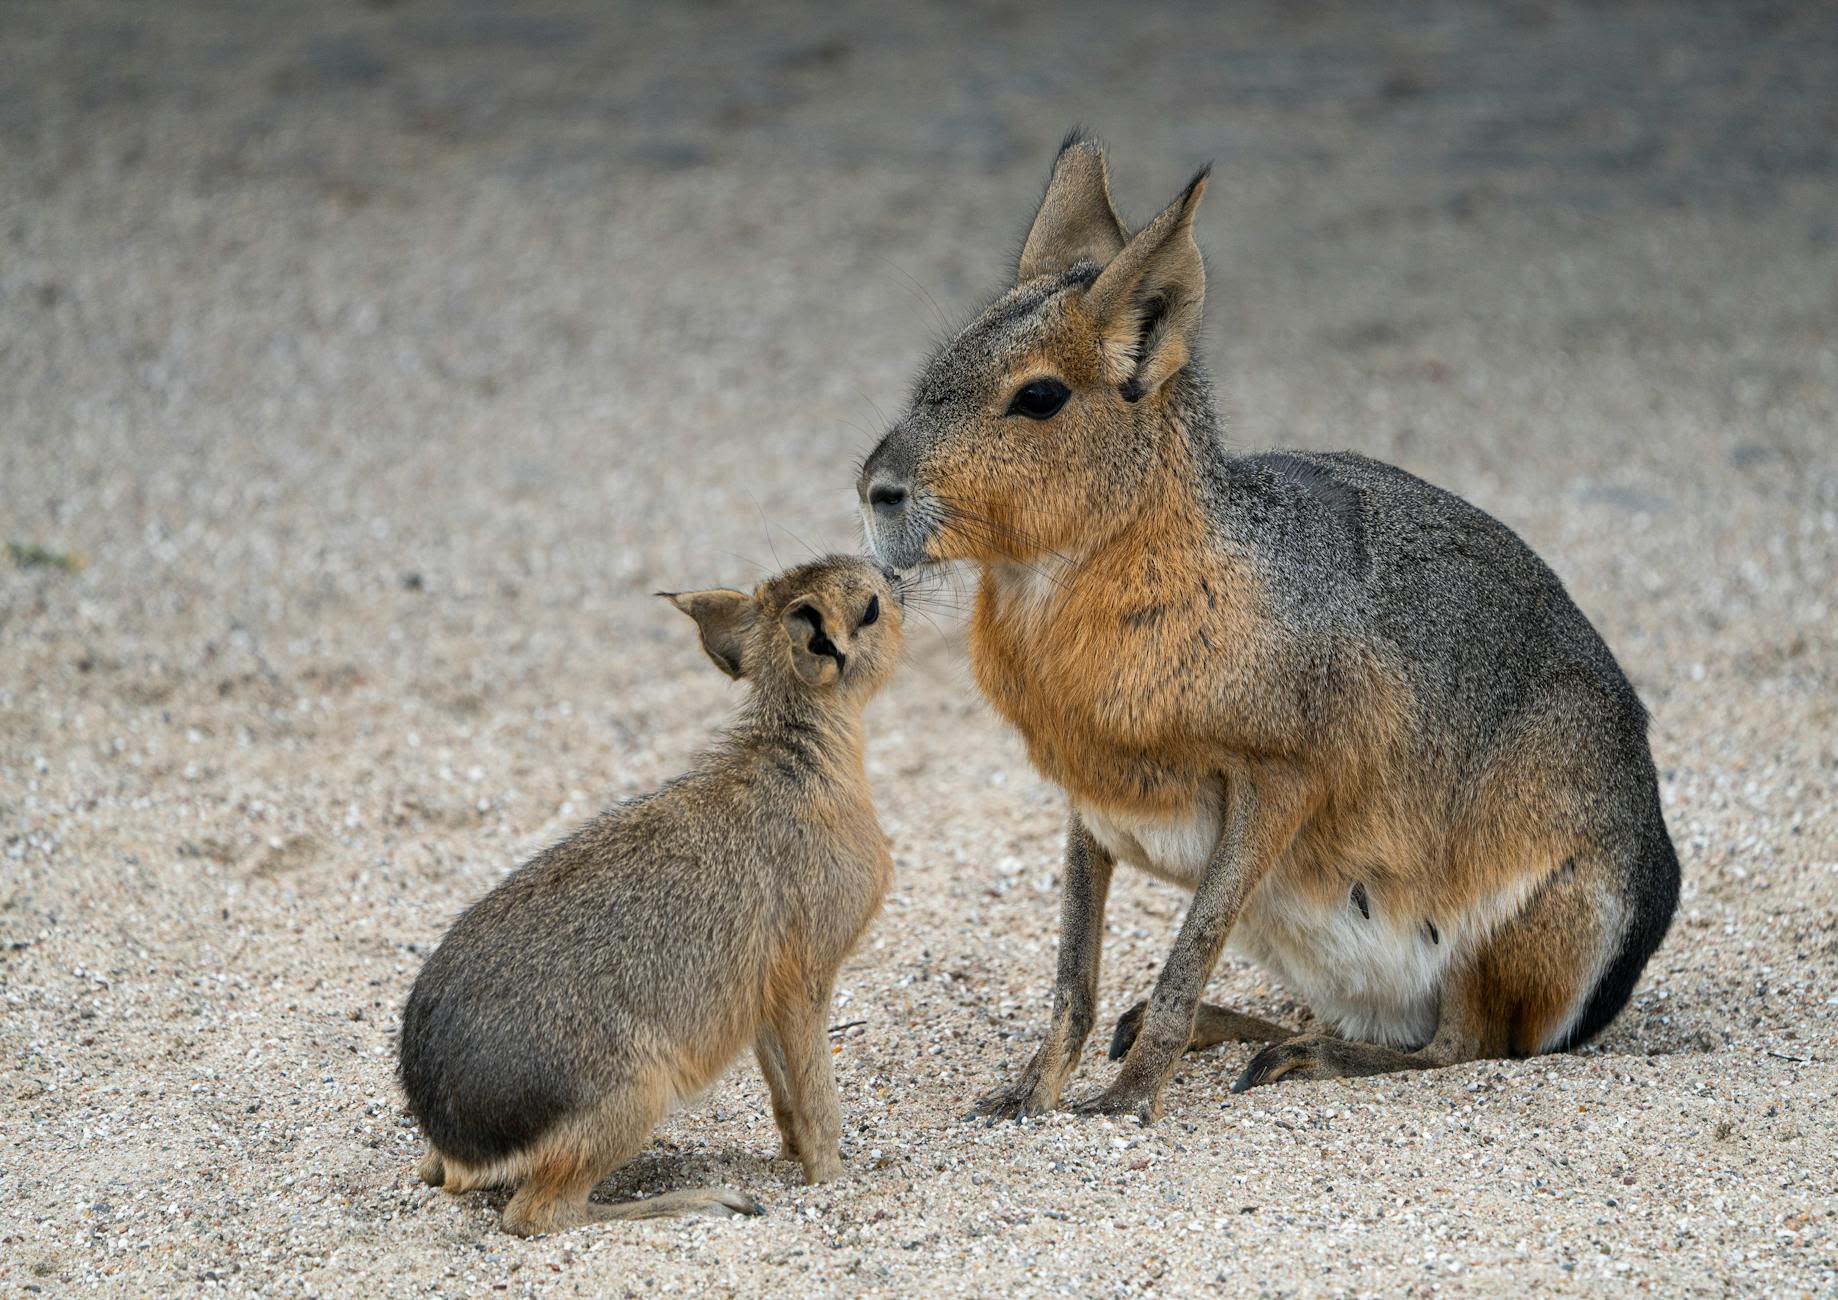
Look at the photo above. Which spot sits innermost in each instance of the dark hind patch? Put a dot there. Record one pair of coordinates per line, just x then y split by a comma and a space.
1361, 901
483, 1087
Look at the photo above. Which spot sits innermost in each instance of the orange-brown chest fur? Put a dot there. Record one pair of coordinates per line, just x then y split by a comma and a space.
1119, 670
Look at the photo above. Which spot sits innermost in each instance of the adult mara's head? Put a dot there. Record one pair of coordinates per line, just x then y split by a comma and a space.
1046, 415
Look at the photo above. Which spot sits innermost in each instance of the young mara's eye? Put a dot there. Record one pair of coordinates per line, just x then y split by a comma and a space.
1040, 400
872, 612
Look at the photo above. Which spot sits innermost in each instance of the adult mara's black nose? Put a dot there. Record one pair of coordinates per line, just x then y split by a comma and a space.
886, 496
882, 486
892, 521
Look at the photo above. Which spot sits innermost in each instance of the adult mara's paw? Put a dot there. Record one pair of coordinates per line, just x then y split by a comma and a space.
1322, 1056
1019, 1100
1300, 1057
1118, 1099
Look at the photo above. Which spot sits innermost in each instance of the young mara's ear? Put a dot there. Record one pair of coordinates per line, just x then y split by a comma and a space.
724, 618
1147, 300
1076, 221
817, 659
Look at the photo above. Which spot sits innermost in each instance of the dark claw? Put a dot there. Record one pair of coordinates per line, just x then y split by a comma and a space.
1129, 1024
990, 1116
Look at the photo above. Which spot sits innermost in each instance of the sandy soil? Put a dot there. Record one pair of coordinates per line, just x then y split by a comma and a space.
371, 363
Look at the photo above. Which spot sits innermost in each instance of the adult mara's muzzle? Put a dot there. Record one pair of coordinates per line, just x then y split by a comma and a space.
894, 516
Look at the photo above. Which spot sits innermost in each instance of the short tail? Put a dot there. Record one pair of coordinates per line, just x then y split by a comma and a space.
1653, 892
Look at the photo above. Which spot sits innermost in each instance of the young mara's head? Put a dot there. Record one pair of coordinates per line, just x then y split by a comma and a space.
1044, 414
829, 628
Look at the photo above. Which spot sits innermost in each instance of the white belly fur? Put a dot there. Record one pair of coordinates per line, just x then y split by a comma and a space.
1376, 979
1174, 849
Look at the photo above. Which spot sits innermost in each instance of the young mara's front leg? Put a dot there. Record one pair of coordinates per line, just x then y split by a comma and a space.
1261, 816
1075, 992
771, 1054
810, 1076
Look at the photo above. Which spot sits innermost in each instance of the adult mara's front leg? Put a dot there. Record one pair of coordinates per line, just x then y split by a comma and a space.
1262, 810
1082, 895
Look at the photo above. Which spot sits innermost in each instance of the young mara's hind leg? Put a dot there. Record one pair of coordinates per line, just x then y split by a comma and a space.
1212, 1025
1518, 996
578, 1153
553, 1195
553, 1198
432, 1169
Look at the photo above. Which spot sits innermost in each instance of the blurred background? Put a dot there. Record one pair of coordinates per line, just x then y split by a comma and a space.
365, 366
461, 287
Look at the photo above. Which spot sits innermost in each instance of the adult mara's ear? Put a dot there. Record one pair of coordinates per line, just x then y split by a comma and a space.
724, 618
1147, 300
1076, 222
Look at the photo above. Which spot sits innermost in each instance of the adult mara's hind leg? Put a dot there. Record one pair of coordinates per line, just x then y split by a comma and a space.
1212, 1025
1532, 986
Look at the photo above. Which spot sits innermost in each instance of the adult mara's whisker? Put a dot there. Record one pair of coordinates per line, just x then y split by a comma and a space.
1006, 531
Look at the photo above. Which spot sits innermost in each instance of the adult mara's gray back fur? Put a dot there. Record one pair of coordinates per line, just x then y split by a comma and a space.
622, 970
1354, 714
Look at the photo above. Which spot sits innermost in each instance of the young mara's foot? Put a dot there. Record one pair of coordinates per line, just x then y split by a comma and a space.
720, 1203
536, 1217
822, 1169
432, 1169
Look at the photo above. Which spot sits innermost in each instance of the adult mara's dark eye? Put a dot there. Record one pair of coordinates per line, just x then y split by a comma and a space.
872, 612
1040, 400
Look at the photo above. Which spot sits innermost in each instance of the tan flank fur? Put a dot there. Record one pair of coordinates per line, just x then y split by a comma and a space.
620, 972
1356, 716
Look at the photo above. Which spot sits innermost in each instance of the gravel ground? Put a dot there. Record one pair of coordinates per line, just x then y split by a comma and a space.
363, 367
